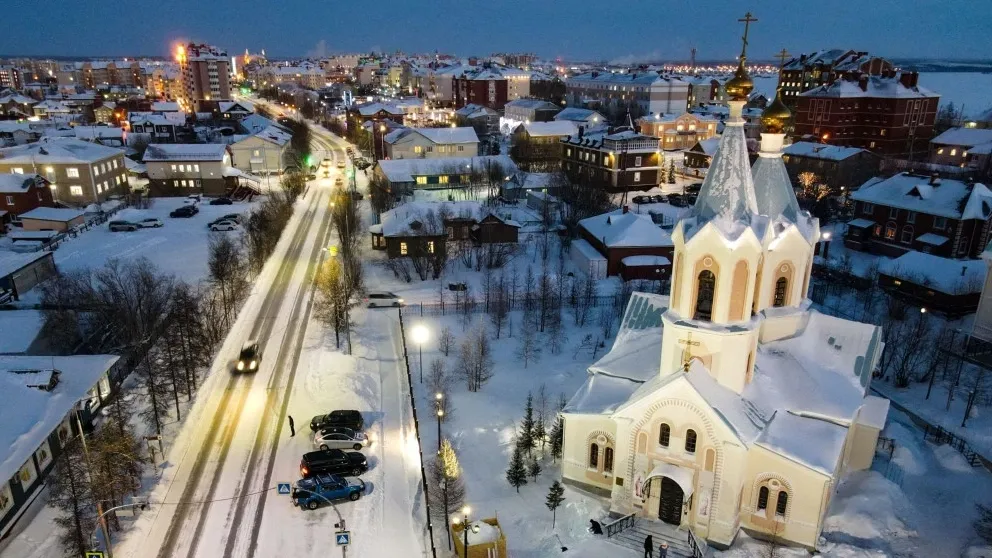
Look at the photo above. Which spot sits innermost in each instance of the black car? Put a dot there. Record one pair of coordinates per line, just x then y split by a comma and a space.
657, 199
184, 211
677, 200
348, 419
334, 461
249, 357
221, 201
694, 188
641, 199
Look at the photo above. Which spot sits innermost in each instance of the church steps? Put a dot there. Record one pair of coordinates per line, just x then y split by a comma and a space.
633, 538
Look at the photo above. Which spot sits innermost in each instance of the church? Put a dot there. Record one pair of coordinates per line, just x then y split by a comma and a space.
731, 404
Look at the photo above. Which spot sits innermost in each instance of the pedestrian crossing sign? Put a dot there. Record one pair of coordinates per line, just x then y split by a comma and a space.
284, 488
343, 538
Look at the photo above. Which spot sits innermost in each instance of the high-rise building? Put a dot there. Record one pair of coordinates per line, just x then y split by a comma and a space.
206, 72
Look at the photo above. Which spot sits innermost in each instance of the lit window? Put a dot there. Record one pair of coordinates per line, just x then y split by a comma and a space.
637, 161
27, 474
954, 152
115, 163
44, 455
76, 190
637, 177
173, 168
256, 153
196, 167
442, 180
418, 149
72, 172
17, 170
402, 248
421, 180
6, 498
940, 151
430, 246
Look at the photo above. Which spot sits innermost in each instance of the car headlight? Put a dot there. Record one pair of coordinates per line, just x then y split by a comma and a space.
399, 300
253, 364
241, 365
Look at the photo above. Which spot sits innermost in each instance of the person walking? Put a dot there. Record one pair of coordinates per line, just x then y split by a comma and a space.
649, 547
292, 427
663, 551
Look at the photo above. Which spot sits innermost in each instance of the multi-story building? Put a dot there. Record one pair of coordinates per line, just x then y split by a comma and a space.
953, 146
617, 161
679, 132
940, 216
23, 192
705, 89
263, 153
823, 67
180, 169
80, 172
483, 120
643, 93
537, 145
10, 77
166, 82
206, 74
842, 169
889, 115
530, 110
481, 86
430, 143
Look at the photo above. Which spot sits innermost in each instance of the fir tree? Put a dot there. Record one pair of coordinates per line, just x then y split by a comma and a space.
556, 495
540, 433
534, 469
526, 439
516, 474
983, 525
70, 493
557, 437
447, 489
671, 172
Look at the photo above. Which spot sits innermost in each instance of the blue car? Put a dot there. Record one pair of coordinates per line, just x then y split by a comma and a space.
311, 493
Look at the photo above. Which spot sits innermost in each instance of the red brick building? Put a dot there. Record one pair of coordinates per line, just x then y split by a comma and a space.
20, 193
809, 71
906, 212
484, 87
889, 115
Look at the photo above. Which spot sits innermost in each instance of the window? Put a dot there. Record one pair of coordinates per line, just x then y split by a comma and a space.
418, 149
940, 223
867, 208
196, 167
430, 246
461, 148
871, 145
893, 213
910, 216
963, 245
115, 163
907, 234
43, 455
762, 498
421, 180
637, 177
173, 168
442, 179
782, 504
27, 474
76, 190
64, 431
17, 170
940, 151
954, 152
890, 231
664, 435
256, 153
781, 291
96, 170
568, 152
72, 172
594, 456
10, 200
608, 460
704, 295
6, 498
402, 248
690, 441
637, 161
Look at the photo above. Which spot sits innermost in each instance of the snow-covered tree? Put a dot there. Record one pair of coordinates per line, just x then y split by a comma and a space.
447, 487
528, 347
671, 172
525, 438
534, 468
70, 493
556, 495
516, 474
446, 341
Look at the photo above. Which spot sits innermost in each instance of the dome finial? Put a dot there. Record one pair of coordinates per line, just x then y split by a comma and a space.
740, 86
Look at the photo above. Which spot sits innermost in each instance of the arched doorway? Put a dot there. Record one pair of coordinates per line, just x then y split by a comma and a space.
670, 502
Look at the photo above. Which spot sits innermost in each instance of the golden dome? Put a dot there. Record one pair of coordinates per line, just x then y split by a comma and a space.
739, 86
775, 116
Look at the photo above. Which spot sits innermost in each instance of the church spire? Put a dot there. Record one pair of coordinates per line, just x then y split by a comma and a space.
727, 196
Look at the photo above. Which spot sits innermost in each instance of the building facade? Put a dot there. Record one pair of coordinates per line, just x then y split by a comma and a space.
644, 93
680, 131
428, 143
206, 73
183, 169
21, 193
79, 172
809, 71
618, 161
842, 169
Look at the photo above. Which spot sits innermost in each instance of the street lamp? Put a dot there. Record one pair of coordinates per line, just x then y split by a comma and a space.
439, 409
420, 335
465, 526
826, 245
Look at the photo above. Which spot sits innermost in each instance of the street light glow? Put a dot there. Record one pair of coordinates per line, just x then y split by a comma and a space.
420, 334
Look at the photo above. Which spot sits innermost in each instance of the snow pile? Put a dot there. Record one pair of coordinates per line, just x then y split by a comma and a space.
480, 532
955, 277
867, 507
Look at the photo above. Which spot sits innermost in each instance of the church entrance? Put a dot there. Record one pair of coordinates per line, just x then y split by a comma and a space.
670, 503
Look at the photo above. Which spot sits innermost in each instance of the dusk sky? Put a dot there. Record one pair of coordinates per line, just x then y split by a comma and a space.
577, 29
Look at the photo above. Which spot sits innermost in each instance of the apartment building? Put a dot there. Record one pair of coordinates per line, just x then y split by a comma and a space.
809, 71
80, 172
615, 160
644, 92
206, 72
680, 131
431, 143
182, 169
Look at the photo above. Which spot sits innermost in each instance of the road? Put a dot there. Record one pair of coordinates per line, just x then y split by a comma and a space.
216, 496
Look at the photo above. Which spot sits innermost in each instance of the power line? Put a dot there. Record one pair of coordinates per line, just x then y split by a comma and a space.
201, 502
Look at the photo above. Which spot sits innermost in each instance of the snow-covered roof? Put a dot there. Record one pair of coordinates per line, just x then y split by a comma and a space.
576, 114
617, 229
94, 133
57, 151
52, 214
531, 104
946, 197
553, 128
967, 137
877, 87
165, 106
16, 98
11, 262
28, 415
636, 261
372, 108
529, 181
440, 136
185, 152
404, 170
823, 151
955, 277
49, 105
861, 223
255, 122
226, 106
775, 196
708, 146
816, 443
932, 239
402, 220
275, 134
11, 183
18, 329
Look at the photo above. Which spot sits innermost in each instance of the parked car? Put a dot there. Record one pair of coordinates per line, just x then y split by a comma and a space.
677, 200
250, 357
641, 199
224, 225
192, 198
338, 437
6, 296
221, 201
184, 211
333, 461
693, 188
150, 223
346, 419
376, 299
234, 217
116, 226
311, 493
690, 199
657, 199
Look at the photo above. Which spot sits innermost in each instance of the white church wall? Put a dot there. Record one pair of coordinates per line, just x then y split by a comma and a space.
787, 256
581, 432
727, 355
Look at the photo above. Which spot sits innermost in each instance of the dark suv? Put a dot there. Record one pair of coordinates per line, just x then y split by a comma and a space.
184, 211
348, 419
333, 461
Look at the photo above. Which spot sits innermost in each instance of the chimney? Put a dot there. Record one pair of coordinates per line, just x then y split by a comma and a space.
626, 208
909, 79
935, 179
863, 83
582, 131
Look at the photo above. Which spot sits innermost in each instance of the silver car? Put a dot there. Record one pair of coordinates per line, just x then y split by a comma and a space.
340, 438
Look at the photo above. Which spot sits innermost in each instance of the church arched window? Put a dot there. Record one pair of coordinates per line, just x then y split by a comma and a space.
690, 441
782, 504
706, 285
781, 292
608, 460
594, 456
762, 498
664, 435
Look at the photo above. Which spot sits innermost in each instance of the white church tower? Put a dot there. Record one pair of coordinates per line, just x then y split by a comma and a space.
742, 256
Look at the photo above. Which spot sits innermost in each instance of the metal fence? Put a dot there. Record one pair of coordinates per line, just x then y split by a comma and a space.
480, 306
616, 527
938, 435
420, 445
699, 548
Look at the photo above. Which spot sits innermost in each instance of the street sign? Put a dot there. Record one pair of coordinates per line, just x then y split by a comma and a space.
343, 538
284, 488
95, 554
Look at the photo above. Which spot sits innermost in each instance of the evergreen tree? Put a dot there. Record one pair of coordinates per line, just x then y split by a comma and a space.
534, 468
557, 437
526, 438
671, 172
516, 474
983, 525
556, 495
540, 433
70, 493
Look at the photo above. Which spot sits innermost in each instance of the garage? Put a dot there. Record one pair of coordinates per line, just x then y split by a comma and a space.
19, 273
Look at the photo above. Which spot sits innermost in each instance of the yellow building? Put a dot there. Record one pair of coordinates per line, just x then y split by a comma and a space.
679, 132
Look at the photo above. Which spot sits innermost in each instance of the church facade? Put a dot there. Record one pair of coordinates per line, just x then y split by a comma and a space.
730, 404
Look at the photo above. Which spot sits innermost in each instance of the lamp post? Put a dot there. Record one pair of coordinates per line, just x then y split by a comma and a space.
439, 411
465, 527
420, 335
826, 245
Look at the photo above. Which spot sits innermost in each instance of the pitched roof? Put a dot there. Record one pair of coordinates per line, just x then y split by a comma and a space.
617, 229
57, 150
577, 114
968, 137
823, 151
774, 193
955, 277
11, 183
949, 198
185, 152
877, 87
404, 219
727, 196
531, 104
404, 170
554, 128
52, 214
465, 134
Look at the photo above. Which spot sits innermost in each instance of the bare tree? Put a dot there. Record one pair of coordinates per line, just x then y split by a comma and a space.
475, 359
228, 272
499, 306
528, 348
69, 492
446, 341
